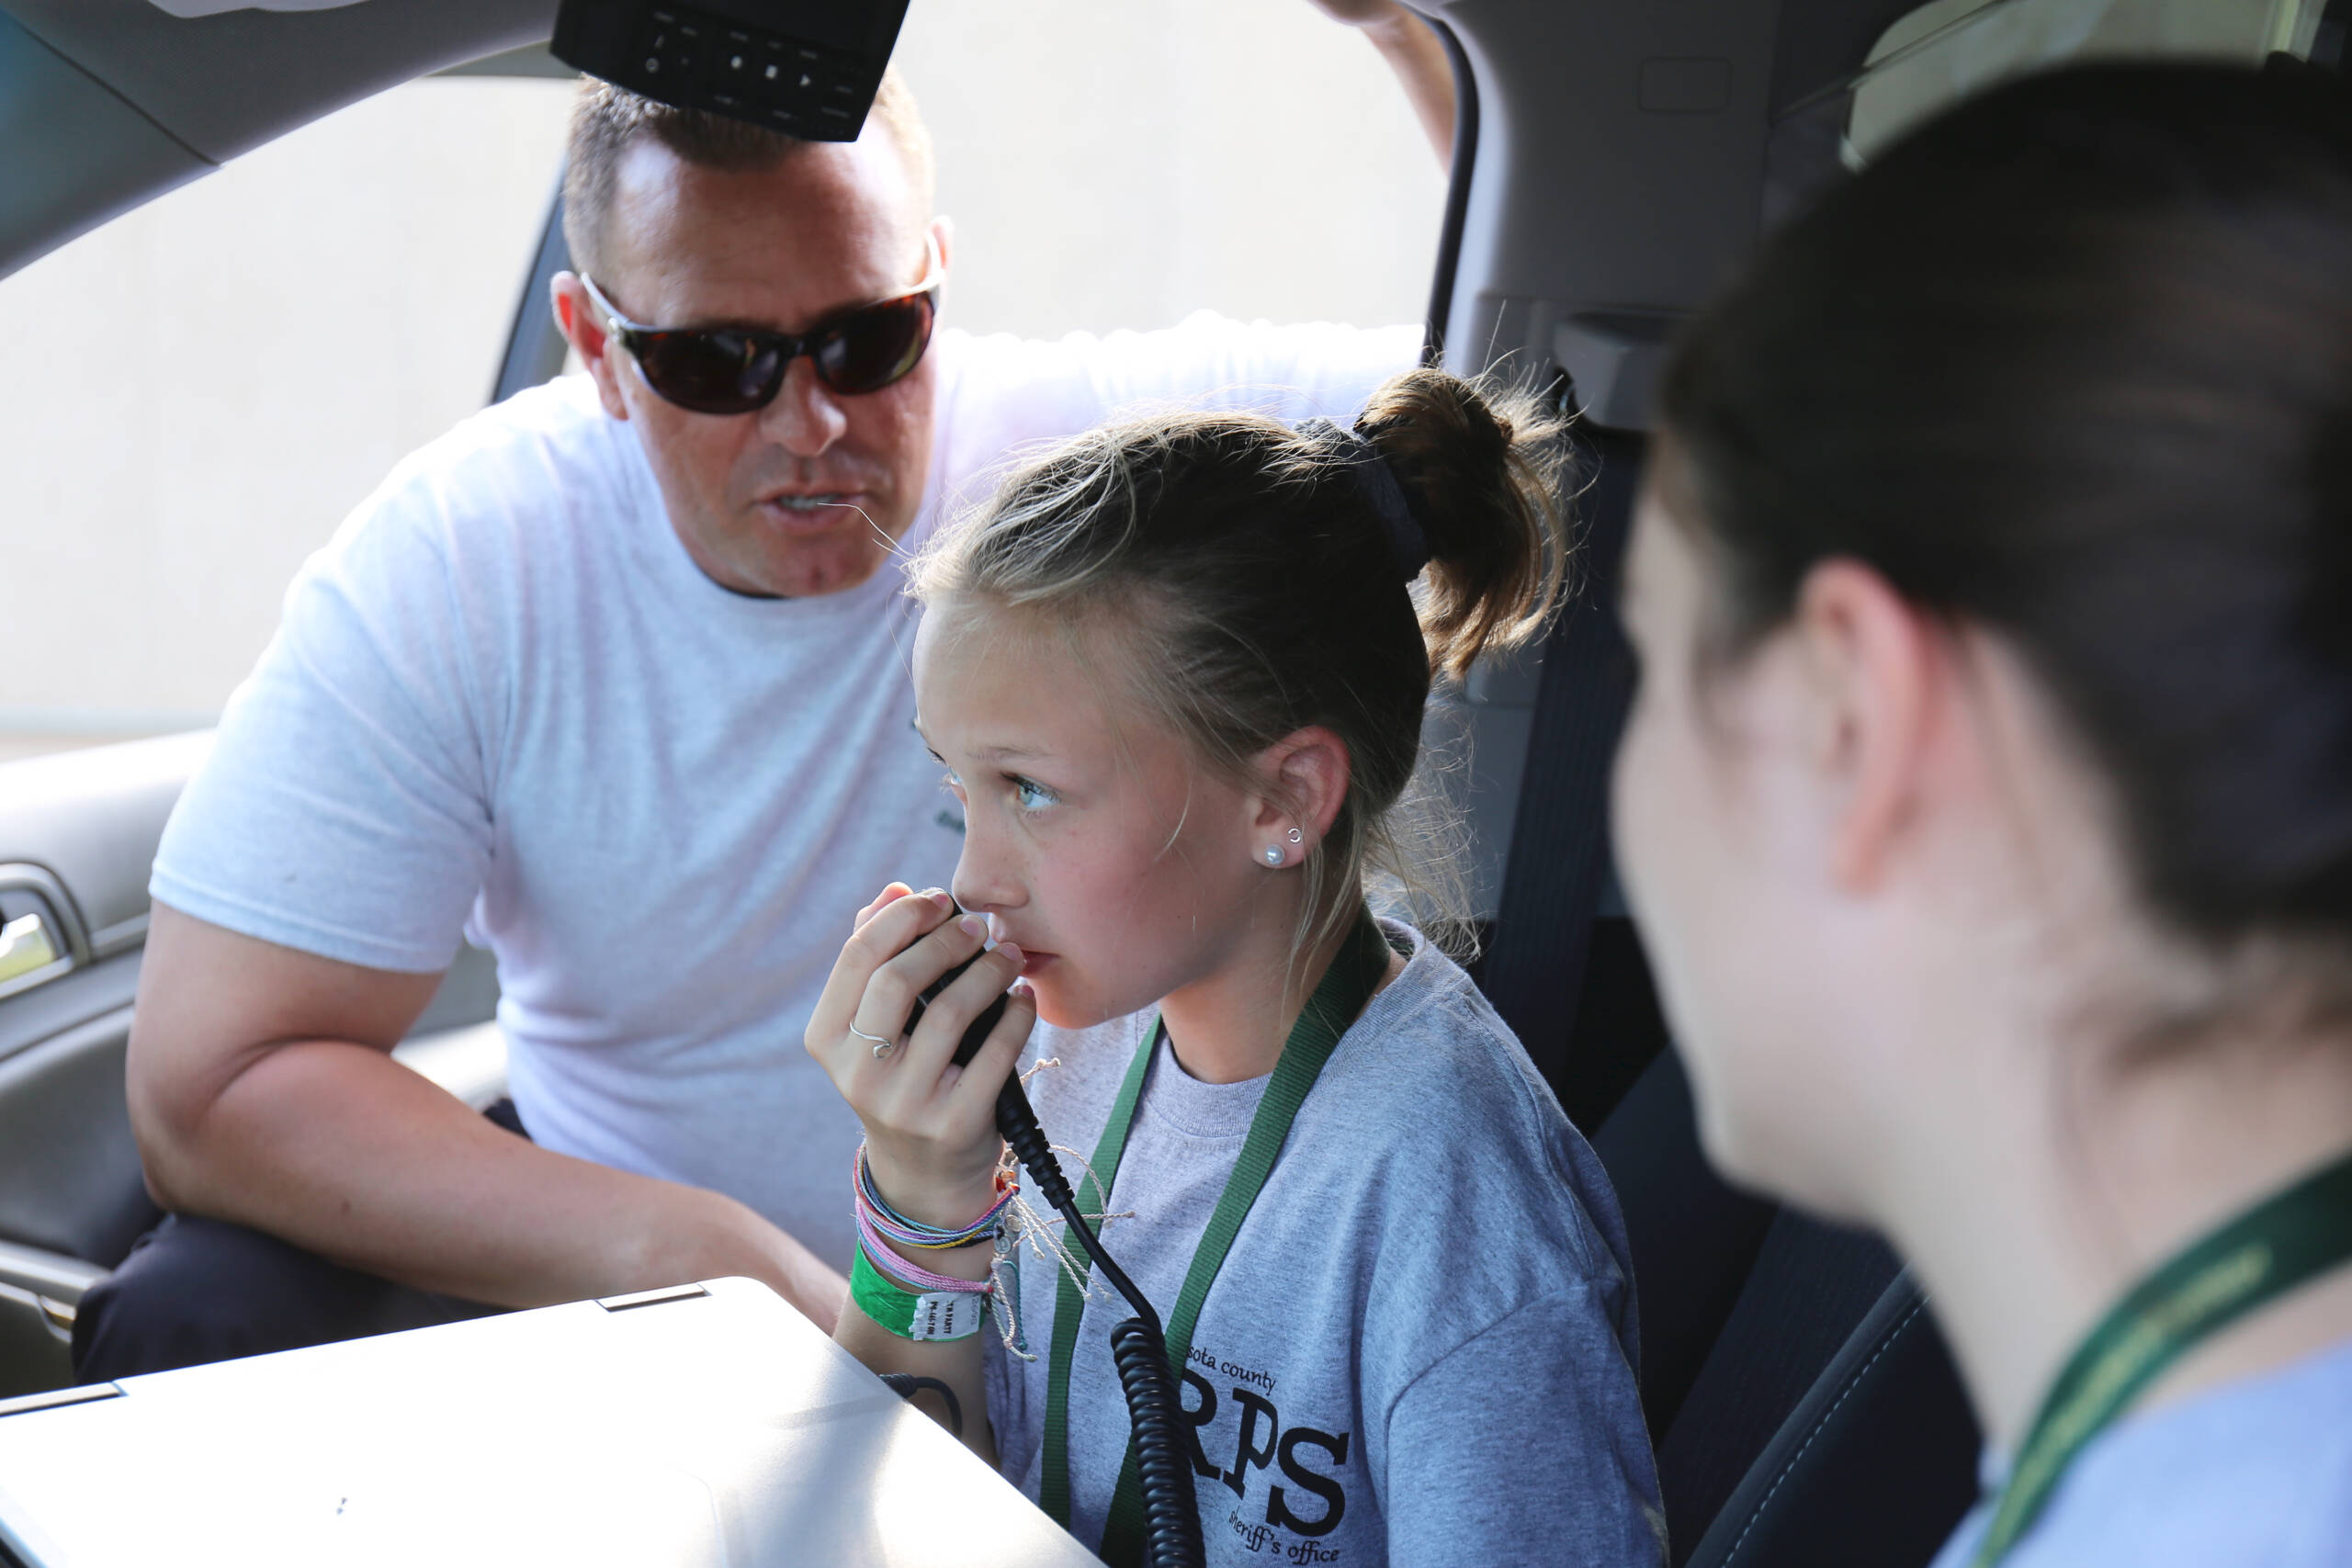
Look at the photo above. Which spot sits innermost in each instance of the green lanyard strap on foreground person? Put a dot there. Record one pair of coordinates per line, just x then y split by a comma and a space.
2281, 1242
1355, 973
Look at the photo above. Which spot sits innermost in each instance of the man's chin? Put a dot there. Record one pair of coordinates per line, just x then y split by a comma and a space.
815, 580
798, 565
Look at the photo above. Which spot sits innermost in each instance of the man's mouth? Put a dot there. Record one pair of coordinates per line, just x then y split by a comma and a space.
817, 509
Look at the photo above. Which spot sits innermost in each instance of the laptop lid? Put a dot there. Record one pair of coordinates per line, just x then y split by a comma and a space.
706, 1427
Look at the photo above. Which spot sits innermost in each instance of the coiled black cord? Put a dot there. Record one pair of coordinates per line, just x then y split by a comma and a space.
1172, 1516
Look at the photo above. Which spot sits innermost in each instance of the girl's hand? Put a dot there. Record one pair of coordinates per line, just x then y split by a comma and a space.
930, 1137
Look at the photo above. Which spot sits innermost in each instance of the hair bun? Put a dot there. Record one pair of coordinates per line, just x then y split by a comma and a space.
1480, 465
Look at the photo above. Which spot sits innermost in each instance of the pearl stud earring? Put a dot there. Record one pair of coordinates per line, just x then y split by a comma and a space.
1274, 854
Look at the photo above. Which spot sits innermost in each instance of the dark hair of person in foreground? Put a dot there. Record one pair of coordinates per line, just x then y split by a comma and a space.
1987, 801
2076, 365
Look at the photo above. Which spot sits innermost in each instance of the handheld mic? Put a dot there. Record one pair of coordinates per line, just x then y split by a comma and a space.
977, 1035
1138, 1346
1012, 1110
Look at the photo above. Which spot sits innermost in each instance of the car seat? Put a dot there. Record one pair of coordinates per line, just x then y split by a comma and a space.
1802, 1403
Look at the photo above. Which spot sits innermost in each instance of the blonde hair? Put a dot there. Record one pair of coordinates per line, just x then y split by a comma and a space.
1257, 592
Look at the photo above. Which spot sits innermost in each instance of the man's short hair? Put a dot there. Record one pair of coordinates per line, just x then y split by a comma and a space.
608, 120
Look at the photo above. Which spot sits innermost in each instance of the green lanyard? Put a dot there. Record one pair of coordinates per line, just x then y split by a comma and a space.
1355, 973
2267, 1251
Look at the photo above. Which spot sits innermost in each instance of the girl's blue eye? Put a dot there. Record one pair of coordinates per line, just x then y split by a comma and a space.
952, 782
1032, 796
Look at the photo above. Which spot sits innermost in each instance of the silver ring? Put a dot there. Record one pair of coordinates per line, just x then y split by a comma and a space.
881, 1047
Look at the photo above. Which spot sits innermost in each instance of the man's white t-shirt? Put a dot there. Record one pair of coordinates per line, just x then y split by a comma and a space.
503, 702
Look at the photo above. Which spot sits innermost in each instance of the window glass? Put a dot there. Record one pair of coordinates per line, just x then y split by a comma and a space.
200, 390
1115, 166
1945, 50
1933, 56
205, 386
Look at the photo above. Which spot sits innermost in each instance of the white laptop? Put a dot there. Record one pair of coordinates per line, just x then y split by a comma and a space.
704, 1425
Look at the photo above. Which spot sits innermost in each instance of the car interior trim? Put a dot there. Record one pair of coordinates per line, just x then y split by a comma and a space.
98, 990
26, 1404
121, 937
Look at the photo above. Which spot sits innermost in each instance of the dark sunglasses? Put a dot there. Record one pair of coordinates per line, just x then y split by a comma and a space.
729, 370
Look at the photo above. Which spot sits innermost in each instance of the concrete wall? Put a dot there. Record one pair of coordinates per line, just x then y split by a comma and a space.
198, 393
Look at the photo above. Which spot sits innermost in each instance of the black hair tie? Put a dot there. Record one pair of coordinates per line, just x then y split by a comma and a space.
1408, 541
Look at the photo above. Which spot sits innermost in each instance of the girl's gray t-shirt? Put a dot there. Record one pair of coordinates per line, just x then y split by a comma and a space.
2254, 1474
1421, 1346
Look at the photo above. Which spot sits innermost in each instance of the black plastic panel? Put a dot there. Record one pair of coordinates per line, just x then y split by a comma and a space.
808, 70
1811, 1285
1694, 1239
1874, 1467
1559, 850
69, 1170
1823, 42
28, 1019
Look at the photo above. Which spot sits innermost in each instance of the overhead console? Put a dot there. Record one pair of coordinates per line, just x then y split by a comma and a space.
809, 68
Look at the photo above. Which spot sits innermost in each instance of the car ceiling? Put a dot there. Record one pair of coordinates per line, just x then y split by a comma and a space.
106, 103
1626, 154
1660, 112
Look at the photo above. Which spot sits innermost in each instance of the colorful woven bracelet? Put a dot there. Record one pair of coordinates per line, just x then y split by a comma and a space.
933, 1315
885, 1258
905, 1232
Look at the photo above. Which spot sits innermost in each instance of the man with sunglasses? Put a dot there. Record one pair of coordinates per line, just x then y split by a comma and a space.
611, 679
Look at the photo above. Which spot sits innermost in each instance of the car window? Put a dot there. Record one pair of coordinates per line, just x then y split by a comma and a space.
1937, 53
1120, 166
200, 390
204, 387
1944, 51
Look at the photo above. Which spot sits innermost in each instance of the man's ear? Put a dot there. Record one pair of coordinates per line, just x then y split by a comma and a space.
576, 317
943, 233
1874, 665
1307, 773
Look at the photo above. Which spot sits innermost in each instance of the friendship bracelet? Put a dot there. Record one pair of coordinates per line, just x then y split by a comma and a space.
938, 1315
904, 1273
905, 1232
915, 1233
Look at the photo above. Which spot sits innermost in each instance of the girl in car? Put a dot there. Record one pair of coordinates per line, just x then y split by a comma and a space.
1987, 803
1176, 671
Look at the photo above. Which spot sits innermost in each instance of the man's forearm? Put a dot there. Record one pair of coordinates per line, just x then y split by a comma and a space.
339, 1149
1415, 53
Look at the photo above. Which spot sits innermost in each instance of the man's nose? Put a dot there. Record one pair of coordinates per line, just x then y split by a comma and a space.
806, 418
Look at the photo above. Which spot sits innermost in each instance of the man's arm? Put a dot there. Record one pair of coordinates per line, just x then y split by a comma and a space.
263, 1091
1413, 51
